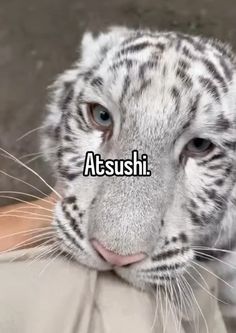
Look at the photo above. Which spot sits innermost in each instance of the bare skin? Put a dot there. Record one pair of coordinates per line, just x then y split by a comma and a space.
18, 220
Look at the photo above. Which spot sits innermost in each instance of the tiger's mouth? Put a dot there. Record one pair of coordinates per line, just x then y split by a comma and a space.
158, 272
164, 264
161, 269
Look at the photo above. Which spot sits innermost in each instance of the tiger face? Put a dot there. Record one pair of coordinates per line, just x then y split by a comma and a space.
172, 97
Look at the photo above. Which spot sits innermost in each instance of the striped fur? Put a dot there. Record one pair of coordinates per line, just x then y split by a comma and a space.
162, 89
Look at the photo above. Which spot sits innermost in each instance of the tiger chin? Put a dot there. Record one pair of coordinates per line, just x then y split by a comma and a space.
169, 96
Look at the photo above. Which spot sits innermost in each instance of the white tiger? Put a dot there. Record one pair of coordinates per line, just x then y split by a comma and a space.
171, 96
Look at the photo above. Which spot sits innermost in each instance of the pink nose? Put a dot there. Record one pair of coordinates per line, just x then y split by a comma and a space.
114, 258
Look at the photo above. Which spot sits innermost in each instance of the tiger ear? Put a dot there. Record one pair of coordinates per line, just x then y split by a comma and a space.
87, 44
91, 43
119, 30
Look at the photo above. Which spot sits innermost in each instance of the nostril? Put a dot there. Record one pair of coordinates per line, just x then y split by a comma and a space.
114, 258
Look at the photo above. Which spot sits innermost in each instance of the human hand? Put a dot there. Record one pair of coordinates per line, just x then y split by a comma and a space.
22, 224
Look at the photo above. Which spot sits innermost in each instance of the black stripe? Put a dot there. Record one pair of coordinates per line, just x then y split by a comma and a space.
216, 157
210, 193
169, 254
184, 77
188, 53
215, 167
145, 84
197, 44
134, 38
219, 182
203, 200
216, 75
97, 82
211, 87
175, 93
183, 237
73, 223
57, 132
69, 175
70, 200
67, 95
192, 111
69, 150
193, 204
222, 124
126, 85
125, 62
149, 65
67, 138
76, 228
196, 219
228, 171
71, 238
163, 268
81, 120
213, 158
183, 64
194, 106
227, 71
135, 48
223, 49
230, 145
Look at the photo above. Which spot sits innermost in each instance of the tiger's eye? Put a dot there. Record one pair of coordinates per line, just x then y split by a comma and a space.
198, 147
101, 117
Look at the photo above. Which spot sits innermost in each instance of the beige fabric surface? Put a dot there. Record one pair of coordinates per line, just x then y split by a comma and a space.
63, 297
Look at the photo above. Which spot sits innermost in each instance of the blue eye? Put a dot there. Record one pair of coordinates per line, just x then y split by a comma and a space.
101, 116
199, 147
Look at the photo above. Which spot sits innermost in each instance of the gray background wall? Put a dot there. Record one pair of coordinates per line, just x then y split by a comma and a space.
39, 38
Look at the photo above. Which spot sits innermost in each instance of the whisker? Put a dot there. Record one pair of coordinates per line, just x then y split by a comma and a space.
48, 250
32, 159
204, 255
207, 291
196, 302
212, 273
23, 182
28, 212
27, 242
179, 299
39, 153
28, 231
212, 249
172, 304
10, 156
187, 302
161, 307
35, 153
199, 274
192, 301
50, 262
68, 256
28, 203
26, 217
156, 309
24, 194
166, 308
30, 131
21, 253
176, 307
21, 210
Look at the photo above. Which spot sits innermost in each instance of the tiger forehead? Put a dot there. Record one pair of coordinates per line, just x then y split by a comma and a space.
170, 62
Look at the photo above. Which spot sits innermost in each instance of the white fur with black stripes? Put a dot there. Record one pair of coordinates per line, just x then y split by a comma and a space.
162, 89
